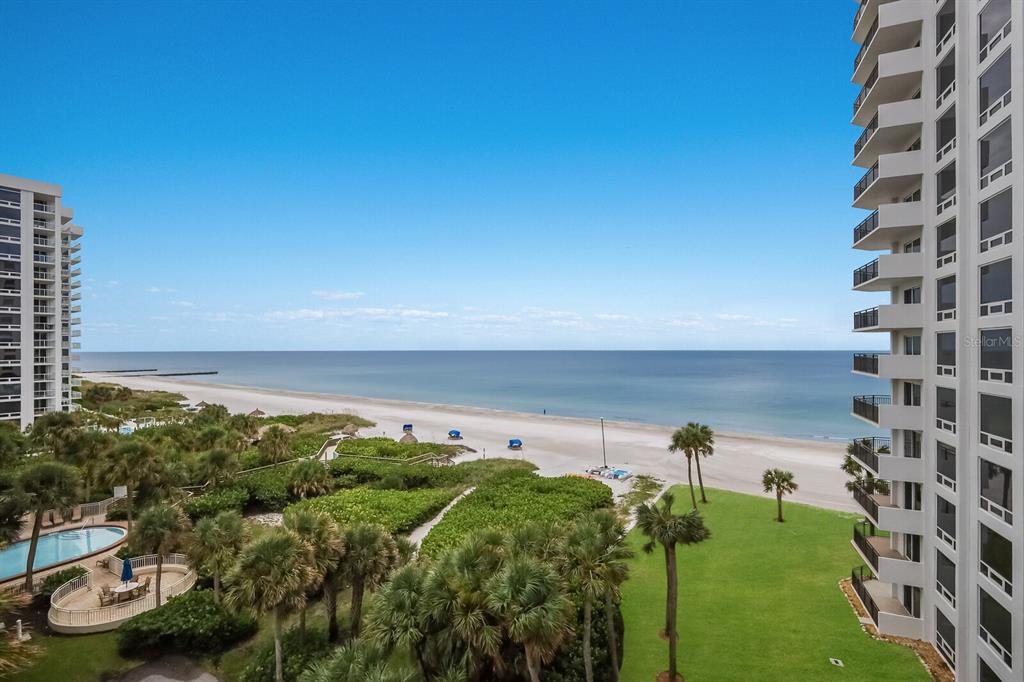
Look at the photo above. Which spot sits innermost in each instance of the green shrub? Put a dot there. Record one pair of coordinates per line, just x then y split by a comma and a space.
251, 458
514, 498
117, 511
399, 511
390, 449
190, 623
216, 501
307, 444
300, 650
55, 580
267, 489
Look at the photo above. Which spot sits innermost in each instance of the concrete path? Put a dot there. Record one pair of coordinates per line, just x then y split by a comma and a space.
421, 532
167, 669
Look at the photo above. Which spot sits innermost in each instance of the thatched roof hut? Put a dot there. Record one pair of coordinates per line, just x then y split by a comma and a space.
407, 439
258, 413
350, 430
202, 403
266, 427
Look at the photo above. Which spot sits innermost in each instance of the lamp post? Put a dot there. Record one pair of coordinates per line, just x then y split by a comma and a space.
604, 452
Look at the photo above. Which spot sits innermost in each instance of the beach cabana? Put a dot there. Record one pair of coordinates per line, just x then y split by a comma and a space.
258, 413
454, 434
407, 428
515, 444
408, 439
350, 430
202, 403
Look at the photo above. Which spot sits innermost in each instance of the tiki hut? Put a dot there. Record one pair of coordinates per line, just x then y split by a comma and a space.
202, 403
260, 432
258, 413
407, 439
350, 430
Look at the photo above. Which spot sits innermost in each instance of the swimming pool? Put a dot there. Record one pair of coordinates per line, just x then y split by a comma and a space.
56, 548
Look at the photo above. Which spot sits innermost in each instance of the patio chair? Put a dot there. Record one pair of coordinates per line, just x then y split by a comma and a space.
103, 562
47, 522
76, 513
144, 588
107, 597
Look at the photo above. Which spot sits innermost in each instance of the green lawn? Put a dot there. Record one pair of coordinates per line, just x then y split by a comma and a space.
759, 600
81, 658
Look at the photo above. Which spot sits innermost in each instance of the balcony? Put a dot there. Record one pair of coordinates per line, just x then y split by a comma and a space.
896, 77
865, 363
867, 406
886, 612
892, 129
42, 207
889, 317
888, 564
881, 511
893, 176
896, 27
886, 272
879, 411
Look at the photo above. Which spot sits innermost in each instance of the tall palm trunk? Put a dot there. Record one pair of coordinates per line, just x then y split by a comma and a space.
670, 609
37, 525
216, 587
128, 505
331, 606
532, 665
159, 573
778, 498
278, 658
700, 480
689, 476
358, 586
613, 636
302, 619
588, 661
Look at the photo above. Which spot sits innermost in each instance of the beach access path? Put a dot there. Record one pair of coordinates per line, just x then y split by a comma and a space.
557, 445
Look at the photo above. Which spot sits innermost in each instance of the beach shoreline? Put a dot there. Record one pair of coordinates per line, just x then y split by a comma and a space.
556, 444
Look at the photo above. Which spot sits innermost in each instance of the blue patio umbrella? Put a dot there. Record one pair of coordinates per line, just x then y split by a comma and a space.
126, 572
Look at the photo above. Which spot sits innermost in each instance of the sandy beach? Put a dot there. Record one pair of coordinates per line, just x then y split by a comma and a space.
557, 445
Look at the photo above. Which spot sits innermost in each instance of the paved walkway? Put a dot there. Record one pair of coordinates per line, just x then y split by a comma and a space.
418, 534
167, 669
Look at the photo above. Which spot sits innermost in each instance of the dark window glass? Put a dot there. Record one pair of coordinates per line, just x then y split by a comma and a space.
944, 20
945, 404
946, 237
991, 20
995, 619
912, 295
945, 349
985, 673
912, 496
996, 551
996, 283
995, 484
945, 128
945, 574
912, 546
997, 415
996, 348
994, 83
912, 444
912, 345
996, 214
995, 148
945, 462
945, 72
945, 514
912, 394
912, 247
945, 182
912, 600
945, 292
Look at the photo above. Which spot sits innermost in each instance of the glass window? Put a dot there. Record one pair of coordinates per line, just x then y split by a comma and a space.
997, 416
995, 148
995, 484
912, 546
946, 238
995, 619
945, 129
912, 496
945, 462
944, 20
912, 600
996, 551
945, 349
994, 83
945, 515
996, 282
945, 73
912, 345
996, 214
912, 295
945, 574
912, 444
991, 20
912, 394
945, 182
945, 404
996, 348
945, 290
912, 247
985, 673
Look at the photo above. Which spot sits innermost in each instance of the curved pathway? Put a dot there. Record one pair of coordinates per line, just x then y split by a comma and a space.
421, 532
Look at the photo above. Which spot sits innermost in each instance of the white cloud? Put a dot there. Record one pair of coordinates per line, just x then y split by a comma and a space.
612, 317
183, 304
338, 295
732, 317
160, 290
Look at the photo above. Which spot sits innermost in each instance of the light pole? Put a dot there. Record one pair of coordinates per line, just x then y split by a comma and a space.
604, 452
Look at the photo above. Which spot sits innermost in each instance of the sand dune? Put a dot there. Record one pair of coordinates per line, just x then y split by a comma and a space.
557, 445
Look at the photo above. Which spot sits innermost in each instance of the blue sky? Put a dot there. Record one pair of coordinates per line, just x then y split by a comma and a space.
446, 175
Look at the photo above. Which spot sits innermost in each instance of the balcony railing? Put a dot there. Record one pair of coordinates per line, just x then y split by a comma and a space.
859, 14
996, 38
857, 578
865, 91
867, 450
860, 538
865, 181
869, 130
863, 319
865, 227
865, 273
866, 363
866, 501
42, 206
866, 406
866, 44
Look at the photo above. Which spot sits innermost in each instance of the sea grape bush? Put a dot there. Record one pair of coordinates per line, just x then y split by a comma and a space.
398, 511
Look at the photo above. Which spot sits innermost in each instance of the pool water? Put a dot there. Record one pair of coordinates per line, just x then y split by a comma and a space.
56, 548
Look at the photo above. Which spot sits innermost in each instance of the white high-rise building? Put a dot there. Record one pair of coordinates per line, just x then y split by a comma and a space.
942, 108
39, 300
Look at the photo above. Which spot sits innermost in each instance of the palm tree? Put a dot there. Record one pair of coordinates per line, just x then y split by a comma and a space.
45, 486
356, 661
215, 544
271, 577
582, 558
320, 533
397, 616
370, 556
309, 478
211, 437
12, 444
614, 570
276, 444
217, 466
92, 449
694, 441
536, 613
160, 531
781, 483
130, 465
57, 432
663, 527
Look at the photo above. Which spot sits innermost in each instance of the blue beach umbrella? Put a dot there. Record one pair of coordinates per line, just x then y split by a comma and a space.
454, 433
126, 572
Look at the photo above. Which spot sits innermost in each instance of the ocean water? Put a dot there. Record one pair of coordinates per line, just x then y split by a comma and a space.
803, 394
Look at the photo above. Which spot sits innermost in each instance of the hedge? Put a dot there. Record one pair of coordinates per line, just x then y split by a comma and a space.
399, 511
410, 476
390, 449
190, 623
515, 498
224, 499
54, 580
